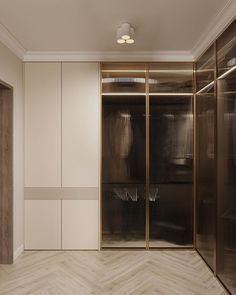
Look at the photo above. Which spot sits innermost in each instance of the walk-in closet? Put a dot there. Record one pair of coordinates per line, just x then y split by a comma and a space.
168, 173
215, 157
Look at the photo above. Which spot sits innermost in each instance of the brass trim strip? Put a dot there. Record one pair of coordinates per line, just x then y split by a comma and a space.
144, 94
123, 71
216, 157
206, 87
147, 112
194, 155
101, 149
176, 248
171, 93
123, 93
171, 71
226, 73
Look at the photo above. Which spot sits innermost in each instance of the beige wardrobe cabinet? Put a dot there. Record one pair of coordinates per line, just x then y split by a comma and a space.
61, 155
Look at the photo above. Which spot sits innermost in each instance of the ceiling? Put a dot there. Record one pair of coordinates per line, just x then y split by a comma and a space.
90, 25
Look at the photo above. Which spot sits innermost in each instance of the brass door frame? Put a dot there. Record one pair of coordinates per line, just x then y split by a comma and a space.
147, 166
147, 184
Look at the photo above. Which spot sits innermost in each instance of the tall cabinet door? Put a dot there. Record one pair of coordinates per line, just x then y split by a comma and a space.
80, 104
43, 124
42, 155
80, 154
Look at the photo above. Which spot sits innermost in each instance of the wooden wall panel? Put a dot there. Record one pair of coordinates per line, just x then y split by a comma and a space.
6, 176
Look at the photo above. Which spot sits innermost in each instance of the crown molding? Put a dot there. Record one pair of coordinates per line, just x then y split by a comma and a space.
10, 42
34, 56
223, 18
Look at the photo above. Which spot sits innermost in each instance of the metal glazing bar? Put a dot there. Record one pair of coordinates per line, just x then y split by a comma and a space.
147, 160
194, 155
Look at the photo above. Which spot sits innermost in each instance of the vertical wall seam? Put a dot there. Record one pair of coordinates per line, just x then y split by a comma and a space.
61, 153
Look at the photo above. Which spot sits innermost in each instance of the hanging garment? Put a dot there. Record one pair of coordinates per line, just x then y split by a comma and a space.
122, 133
118, 141
209, 125
179, 137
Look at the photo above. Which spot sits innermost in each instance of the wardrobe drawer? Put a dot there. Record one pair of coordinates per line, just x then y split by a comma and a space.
42, 224
80, 224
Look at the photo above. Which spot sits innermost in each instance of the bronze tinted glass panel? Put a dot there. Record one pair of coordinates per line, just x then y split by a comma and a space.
170, 78
206, 156
205, 176
226, 250
123, 171
171, 171
119, 66
205, 69
123, 77
125, 82
226, 47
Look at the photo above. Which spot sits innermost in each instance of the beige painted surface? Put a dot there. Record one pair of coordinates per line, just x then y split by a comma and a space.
61, 193
42, 124
11, 72
80, 224
42, 224
80, 121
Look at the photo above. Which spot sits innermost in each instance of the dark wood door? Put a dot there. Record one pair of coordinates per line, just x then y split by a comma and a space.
6, 175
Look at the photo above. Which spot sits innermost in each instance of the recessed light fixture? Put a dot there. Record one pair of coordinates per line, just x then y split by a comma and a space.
125, 34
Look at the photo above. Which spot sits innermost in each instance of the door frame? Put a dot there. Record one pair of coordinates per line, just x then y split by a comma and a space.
147, 166
6, 173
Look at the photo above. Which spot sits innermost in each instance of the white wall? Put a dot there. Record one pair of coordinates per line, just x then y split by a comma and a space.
11, 72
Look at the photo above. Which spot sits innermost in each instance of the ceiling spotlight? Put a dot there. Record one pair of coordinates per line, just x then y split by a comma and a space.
125, 34
120, 41
130, 41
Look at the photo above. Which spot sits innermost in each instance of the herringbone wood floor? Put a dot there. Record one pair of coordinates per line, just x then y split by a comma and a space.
108, 272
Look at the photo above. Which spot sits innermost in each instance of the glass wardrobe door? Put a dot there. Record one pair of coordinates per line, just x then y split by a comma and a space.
226, 258
205, 175
123, 171
226, 133
171, 171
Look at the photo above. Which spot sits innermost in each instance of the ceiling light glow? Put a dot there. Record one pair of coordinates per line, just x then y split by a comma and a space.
120, 41
125, 37
130, 41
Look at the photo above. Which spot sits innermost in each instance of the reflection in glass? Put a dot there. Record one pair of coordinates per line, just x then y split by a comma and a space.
171, 78
123, 82
206, 176
171, 171
226, 48
226, 250
205, 156
123, 171
123, 77
205, 69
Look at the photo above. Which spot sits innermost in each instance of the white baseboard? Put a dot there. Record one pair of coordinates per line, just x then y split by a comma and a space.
18, 251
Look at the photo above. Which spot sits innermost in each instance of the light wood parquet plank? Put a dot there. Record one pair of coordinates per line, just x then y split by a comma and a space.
108, 273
